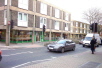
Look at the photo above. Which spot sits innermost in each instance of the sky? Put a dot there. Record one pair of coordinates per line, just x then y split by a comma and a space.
77, 7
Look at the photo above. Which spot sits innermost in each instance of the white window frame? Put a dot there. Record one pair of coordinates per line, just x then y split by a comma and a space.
22, 5
43, 22
57, 25
57, 13
22, 22
43, 8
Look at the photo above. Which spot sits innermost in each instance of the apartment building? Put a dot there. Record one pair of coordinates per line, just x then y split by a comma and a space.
79, 29
29, 16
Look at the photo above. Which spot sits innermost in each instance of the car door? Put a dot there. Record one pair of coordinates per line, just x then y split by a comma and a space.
67, 45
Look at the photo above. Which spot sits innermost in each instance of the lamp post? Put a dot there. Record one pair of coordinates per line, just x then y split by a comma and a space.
8, 24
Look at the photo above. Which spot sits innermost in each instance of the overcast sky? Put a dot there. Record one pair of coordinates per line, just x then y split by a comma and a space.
77, 7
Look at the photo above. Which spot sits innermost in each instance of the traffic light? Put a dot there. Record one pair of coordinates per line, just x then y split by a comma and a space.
12, 24
93, 27
44, 28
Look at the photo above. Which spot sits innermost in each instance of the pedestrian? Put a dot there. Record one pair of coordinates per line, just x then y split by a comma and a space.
93, 42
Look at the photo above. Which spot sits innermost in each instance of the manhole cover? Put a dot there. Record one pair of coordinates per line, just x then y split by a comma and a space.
90, 65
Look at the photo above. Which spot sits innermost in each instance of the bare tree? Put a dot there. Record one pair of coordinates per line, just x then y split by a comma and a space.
93, 15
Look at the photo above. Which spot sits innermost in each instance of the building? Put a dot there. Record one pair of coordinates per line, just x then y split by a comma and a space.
79, 29
28, 18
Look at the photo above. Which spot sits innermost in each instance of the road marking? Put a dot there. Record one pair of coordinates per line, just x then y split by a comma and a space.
30, 62
18, 53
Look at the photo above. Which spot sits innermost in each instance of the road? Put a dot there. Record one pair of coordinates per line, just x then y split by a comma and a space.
16, 58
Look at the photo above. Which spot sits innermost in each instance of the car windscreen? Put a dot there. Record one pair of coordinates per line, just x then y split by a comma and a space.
88, 38
61, 42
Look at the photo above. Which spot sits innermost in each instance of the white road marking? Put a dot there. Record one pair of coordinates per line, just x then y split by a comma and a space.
18, 53
30, 62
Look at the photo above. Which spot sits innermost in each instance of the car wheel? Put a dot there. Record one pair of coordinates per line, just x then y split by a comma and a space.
83, 45
97, 45
49, 50
73, 49
62, 50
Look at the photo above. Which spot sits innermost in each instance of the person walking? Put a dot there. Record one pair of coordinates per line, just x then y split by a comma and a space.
93, 42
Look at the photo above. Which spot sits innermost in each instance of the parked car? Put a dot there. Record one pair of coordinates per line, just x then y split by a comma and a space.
81, 41
0, 55
62, 45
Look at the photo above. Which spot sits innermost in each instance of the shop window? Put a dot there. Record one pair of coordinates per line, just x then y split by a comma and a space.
43, 8
22, 19
23, 4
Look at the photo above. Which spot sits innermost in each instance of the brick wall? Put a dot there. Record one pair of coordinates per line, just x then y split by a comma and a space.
1, 17
30, 20
14, 17
30, 5
2, 3
38, 6
37, 21
14, 3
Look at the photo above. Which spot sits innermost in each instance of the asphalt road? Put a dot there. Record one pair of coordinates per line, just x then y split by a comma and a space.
16, 58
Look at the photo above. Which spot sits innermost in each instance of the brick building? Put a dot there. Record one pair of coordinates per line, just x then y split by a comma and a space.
29, 16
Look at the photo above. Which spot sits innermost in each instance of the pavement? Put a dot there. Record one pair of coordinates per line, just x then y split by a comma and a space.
80, 60
21, 45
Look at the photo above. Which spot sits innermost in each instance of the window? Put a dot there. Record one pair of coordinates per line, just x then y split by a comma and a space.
76, 24
66, 26
57, 13
71, 29
67, 16
43, 21
56, 25
5, 17
23, 4
80, 24
84, 26
6, 2
71, 23
84, 31
80, 30
22, 19
43, 8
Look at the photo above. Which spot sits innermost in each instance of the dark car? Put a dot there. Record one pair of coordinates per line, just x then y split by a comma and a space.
62, 45
0, 55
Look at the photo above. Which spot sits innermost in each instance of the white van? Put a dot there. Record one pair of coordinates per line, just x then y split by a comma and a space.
88, 38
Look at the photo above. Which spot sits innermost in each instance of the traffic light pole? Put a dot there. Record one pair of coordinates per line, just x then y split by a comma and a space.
8, 24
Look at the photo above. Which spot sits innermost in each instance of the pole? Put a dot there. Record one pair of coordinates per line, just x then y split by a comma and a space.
50, 25
33, 34
8, 24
